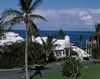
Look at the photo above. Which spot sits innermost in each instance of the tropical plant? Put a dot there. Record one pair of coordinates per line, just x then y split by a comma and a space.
48, 45
37, 53
27, 16
71, 68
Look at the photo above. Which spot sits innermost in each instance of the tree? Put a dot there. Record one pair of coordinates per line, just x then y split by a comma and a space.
48, 45
37, 53
61, 34
25, 15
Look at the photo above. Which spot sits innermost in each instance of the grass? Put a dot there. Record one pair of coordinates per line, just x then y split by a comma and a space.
91, 72
53, 74
87, 72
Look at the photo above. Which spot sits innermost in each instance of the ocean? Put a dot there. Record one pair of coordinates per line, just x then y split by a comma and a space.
74, 35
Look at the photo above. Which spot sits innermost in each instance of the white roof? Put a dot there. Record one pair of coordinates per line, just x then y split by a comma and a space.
61, 42
39, 39
10, 37
10, 34
80, 52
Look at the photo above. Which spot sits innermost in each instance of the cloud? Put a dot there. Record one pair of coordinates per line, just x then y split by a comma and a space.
86, 18
70, 19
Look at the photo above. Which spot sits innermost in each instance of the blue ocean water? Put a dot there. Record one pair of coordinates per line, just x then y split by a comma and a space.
74, 35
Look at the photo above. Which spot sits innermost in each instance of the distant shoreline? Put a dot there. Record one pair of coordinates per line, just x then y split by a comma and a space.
56, 30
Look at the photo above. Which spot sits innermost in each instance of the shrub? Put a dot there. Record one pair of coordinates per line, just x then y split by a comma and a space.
71, 68
14, 55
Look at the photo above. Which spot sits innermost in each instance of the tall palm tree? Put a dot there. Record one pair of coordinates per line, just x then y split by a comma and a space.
27, 16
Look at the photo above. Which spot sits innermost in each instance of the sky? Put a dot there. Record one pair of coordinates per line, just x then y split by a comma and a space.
77, 15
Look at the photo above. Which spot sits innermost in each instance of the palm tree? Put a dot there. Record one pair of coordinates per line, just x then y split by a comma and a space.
48, 45
37, 53
25, 15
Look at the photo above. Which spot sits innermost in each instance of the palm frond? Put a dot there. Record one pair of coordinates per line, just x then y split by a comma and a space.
32, 30
55, 45
10, 12
38, 17
54, 41
29, 3
35, 4
25, 5
22, 4
13, 21
34, 26
43, 42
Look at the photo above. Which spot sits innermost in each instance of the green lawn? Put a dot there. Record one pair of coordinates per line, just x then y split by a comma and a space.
91, 72
87, 72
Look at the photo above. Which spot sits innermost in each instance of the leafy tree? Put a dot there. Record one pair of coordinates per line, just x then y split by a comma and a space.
26, 15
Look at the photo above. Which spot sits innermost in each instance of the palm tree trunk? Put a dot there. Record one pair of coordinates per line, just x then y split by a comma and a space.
26, 55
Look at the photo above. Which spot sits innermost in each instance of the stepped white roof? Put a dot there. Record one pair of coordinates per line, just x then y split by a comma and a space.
62, 43
10, 37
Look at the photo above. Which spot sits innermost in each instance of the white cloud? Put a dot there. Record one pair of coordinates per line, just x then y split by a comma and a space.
95, 11
70, 17
86, 18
